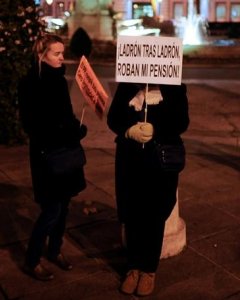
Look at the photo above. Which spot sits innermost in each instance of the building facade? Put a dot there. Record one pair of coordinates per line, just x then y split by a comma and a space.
211, 10
56, 8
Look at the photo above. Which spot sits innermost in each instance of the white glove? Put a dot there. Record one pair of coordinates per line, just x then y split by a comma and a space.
141, 132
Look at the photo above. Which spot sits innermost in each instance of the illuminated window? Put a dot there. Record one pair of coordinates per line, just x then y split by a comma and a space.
60, 9
178, 10
235, 12
221, 12
142, 9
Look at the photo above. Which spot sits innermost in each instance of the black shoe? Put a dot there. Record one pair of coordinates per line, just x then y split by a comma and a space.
38, 272
61, 262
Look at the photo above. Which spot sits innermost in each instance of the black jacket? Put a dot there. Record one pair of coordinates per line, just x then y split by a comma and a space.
139, 182
169, 118
46, 110
48, 119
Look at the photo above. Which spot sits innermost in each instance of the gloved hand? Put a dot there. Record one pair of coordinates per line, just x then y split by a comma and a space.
141, 132
147, 128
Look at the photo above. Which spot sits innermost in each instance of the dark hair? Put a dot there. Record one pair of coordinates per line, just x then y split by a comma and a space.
80, 43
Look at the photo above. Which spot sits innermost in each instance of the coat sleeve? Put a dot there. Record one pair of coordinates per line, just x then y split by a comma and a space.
172, 118
46, 113
120, 117
36, 120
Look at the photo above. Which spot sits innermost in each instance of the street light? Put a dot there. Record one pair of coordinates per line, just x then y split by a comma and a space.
49, 2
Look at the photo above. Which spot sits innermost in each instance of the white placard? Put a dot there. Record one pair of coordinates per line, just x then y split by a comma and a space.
149, 59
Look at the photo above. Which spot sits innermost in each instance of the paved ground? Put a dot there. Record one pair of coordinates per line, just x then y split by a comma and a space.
208, 268
209, 203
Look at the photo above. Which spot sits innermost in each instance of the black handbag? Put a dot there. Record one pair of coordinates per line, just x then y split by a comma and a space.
65, 161
170, 158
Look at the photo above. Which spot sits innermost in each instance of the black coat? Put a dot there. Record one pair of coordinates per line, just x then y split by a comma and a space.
47, 117
138, 180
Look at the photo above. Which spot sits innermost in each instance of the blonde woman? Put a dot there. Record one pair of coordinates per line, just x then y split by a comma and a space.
48, 119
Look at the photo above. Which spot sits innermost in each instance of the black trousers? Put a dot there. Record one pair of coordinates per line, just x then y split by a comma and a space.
50, 224
145, 214
145, 196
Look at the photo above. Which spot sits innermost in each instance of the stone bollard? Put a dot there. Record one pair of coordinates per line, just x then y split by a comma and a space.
174, 235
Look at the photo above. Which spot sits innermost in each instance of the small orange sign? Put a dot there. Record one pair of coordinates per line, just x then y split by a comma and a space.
91, 88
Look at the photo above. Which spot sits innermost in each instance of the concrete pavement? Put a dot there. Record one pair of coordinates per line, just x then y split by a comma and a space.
209, 202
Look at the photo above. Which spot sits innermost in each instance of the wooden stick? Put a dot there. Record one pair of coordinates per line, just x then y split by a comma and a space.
145, 109
83, 112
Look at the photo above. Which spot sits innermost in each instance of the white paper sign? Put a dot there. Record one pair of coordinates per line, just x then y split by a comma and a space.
149, 59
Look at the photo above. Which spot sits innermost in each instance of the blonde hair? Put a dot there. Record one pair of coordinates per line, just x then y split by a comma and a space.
42, 46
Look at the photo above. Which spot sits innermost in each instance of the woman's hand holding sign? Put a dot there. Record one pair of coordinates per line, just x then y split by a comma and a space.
142, 132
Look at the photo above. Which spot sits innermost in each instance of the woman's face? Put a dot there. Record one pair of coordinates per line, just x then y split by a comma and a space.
54, 56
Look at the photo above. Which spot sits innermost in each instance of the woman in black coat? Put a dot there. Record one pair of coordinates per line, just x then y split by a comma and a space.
145, 195
48, 119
